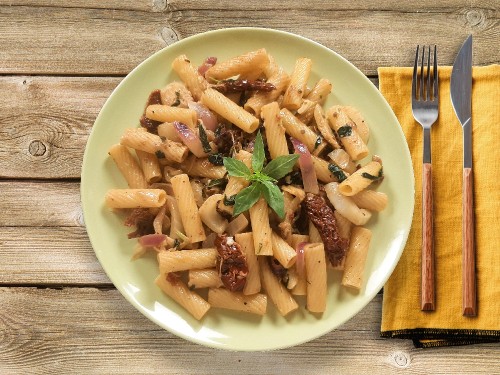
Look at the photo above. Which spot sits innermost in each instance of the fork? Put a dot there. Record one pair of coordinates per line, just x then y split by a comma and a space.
425, 106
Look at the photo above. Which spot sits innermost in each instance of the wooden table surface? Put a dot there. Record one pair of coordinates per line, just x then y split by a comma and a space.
59, 61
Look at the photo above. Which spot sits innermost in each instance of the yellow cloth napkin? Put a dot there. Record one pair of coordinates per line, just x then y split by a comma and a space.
401, 314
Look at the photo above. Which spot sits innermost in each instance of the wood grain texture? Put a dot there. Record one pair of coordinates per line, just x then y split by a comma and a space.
45, 123
468, 247
142, 5
45, 331
40, 204
48, 256
113, 41
428, 288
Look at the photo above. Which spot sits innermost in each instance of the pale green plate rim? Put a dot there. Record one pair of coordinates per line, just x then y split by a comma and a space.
228, 330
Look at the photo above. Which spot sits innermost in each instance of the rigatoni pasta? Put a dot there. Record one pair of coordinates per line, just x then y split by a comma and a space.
233, 201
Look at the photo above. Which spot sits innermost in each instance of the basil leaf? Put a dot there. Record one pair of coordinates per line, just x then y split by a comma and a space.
236, 168
280, 166
258, 154
274, 198
247, 198
204, 139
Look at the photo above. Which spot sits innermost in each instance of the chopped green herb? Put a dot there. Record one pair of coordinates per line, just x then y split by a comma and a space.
216, 159
177, 243
159, 154
217, 182
177, 99
229, 201
318, 142
344, 131
337, 172
381, 173
369, 176
218, 130
204, 139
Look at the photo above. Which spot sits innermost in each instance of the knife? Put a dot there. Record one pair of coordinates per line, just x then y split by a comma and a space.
460, 91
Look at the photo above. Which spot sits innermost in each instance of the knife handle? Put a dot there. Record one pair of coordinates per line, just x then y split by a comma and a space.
469, 301
427, 273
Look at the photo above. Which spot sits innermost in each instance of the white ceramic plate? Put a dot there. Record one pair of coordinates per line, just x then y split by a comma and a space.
220, 328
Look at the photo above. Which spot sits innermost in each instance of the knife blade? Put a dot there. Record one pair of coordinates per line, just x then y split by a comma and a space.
461, 93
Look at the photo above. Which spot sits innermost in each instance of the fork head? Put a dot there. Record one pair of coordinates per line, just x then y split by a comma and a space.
425, 88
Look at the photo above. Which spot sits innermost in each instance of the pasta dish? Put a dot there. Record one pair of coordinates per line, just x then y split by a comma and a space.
246, 188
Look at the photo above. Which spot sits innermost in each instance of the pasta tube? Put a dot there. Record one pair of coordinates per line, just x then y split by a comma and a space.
354, 267
191, 220
181, 294
259, 217
128, 167
223, 298
275, 132
135, 198
298, 82
316, 277
275, 290
231, 111
182, 260
207, 278
252, 62
252, 285
360, 179
188, 73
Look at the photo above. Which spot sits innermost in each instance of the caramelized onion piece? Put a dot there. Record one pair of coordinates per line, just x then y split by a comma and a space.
306, 167
190, 139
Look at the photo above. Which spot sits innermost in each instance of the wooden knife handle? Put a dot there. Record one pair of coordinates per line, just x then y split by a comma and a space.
469, 301
427, 275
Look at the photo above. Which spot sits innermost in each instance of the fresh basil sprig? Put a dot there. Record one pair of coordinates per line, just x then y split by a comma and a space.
262, 179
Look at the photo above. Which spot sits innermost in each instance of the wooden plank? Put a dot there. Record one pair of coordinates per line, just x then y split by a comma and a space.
391, 5
108, 41
89, 41
40, 204
142, 5
90, 331
48, 255
45, 123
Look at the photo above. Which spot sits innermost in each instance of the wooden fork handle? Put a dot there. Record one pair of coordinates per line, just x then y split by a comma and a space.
427, 275
469, 301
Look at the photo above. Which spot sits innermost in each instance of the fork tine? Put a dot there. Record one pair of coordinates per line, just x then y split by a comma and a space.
436, 79
414, 80
429, 87
422, 75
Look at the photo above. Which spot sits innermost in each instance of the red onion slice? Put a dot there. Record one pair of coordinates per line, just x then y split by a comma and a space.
207, 64
190, 139
204, 114
306, 167
152, 240
300, 264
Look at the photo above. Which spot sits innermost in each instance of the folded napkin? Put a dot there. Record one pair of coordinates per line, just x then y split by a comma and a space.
401, 314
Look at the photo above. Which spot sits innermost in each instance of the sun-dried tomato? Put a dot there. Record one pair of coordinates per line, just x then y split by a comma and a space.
231, 263
321, 215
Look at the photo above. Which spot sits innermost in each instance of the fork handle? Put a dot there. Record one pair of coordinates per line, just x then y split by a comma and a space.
427, 275
469, 301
